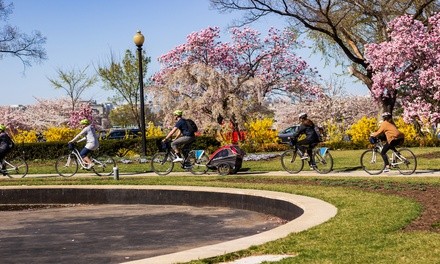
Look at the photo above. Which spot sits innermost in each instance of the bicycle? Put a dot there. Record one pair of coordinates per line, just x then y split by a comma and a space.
292, 160
194, 161
403, 159
15, 168
67, 165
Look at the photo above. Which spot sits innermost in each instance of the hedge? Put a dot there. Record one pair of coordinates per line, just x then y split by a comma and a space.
52, 150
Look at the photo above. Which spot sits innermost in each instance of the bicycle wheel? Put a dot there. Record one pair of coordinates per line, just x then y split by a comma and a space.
103, 165
161, 163
66, 165
406, 161
198, 160
16, 168
372, 162
323, 161
291, 161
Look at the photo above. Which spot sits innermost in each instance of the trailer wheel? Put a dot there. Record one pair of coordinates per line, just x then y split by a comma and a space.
224, 169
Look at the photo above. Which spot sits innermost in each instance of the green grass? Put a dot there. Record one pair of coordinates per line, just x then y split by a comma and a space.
367, 228
344, 160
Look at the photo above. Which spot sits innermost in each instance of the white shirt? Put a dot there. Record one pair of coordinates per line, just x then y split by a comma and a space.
91, 137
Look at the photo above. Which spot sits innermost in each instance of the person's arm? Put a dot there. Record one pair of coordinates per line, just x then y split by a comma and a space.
78, 136
170, 134
378, 132
300, 131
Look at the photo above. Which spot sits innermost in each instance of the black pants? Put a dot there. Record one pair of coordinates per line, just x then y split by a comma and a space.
392, 145
309, 145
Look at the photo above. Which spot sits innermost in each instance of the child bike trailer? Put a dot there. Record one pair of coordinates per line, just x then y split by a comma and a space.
227, 159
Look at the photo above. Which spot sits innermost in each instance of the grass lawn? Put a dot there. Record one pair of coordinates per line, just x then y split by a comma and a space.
344, 160
367, 229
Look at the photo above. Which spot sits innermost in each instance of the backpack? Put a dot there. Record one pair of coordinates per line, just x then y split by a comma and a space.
321, 133
192, 127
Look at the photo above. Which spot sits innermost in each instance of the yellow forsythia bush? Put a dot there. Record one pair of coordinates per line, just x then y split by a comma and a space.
260, 135
408, 130
25, 136
334, 132
60, 134
361, 130
153, 131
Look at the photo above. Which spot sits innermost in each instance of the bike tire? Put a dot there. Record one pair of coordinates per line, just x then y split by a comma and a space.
162, 163
103, 165
198, 165
291, 161
324, 163
372, 162
19, 168
66, 165
407, 163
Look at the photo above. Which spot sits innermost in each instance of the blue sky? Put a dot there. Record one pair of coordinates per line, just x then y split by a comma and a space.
85, 32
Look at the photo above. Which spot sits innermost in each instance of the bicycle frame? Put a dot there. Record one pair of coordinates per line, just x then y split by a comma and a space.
75, 152
392, 159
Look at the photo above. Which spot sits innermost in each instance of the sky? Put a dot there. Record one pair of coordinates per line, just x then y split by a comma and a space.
83, 33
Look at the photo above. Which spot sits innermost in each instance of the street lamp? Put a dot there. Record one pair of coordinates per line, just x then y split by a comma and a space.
138, 40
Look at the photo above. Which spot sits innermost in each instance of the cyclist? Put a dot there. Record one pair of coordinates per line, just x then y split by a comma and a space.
311, 140
88, 133
6, 144
393, 137
183, 137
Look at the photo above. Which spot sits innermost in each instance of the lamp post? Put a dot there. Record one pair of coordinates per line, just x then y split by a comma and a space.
138, 40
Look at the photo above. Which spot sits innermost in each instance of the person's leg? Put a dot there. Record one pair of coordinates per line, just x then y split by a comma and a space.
84, 155
384, 155
2, 157
310, 152
301, 144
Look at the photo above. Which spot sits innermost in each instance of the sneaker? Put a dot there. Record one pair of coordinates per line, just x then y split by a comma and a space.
387, 169
89, 166
178, 159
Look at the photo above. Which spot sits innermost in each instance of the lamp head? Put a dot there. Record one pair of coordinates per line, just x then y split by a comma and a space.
139, 39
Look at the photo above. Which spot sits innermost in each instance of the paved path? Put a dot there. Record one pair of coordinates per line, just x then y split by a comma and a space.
309, 173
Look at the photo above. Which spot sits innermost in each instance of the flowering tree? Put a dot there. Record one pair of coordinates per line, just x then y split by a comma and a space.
218, 82
408, 67
343, 110
44, 114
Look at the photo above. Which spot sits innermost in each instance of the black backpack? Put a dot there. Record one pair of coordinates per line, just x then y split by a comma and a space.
192, 127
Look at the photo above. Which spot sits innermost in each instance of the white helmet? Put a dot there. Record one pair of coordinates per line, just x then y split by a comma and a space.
386, 114
302, 115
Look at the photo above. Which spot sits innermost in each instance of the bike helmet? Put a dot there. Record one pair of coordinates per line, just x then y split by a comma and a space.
302, 116
178, 113
386, 114
84, 122
2, 127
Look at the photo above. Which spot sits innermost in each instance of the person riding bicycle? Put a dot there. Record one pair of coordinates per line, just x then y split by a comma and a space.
88, 133
311, 140
183, 137
393, 137
6, 144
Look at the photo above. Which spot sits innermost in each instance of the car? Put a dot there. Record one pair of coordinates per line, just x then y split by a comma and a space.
287, 133
123, 133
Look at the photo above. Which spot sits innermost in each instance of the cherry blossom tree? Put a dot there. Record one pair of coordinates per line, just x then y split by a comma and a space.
44, 114
341, 110
408, 67
220, 82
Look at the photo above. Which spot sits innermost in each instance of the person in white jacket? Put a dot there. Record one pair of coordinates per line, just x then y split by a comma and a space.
88, 133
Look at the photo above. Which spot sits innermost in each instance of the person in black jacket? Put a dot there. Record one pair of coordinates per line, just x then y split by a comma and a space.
311, 140
6, 144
